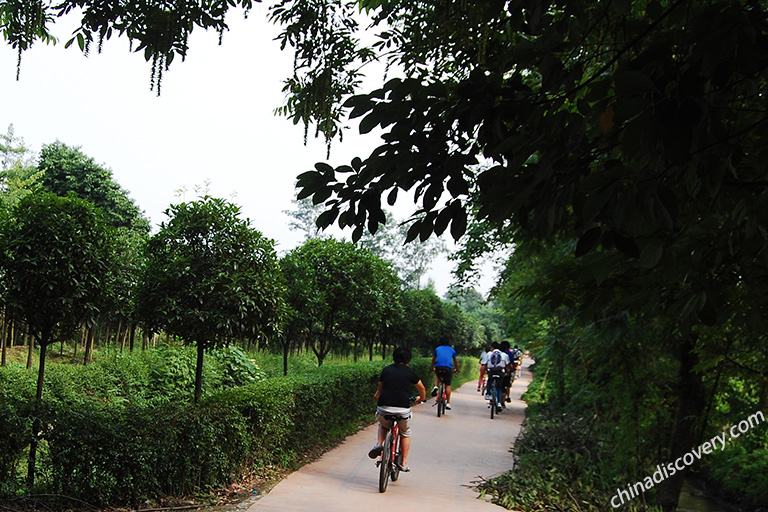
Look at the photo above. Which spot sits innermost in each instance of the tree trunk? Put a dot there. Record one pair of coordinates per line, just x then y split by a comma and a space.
88, 345
132, 338
199, 373
119, 336
3, 342
691, 403
286, 350
30, 352
37, 424
108, 334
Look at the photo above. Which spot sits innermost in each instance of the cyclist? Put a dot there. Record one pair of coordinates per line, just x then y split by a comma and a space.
444, 363
498, 365
483, 366
517, 360
507, 381
393, 397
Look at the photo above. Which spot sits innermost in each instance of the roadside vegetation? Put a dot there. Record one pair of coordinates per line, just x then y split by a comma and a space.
122, 430
612, 152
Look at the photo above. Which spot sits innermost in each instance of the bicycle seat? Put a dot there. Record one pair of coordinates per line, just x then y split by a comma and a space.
395, 417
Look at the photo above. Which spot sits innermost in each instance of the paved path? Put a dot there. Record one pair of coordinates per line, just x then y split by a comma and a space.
447, 455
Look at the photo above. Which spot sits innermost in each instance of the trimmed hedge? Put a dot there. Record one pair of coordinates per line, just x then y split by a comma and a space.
108, 451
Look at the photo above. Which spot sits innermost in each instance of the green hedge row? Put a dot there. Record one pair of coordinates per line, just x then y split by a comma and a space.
117, 452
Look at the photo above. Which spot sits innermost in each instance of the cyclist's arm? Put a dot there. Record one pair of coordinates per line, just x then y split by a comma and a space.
422, 392
432, 366
378, 391
455, 364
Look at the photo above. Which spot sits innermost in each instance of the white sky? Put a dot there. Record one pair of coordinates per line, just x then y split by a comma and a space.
214, 122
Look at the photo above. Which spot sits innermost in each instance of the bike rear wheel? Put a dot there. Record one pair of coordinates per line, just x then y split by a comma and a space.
386, 463
445, 397
441, 400
492, 401
398, 463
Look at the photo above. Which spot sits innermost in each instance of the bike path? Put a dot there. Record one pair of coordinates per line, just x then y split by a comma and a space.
448, 456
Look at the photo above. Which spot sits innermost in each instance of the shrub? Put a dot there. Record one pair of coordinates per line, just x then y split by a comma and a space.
110, 440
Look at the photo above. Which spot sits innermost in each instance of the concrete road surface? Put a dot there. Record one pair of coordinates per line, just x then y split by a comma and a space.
447, 455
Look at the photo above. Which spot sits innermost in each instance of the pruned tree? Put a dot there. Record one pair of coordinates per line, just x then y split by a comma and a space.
209, 278
55, 256
330, 284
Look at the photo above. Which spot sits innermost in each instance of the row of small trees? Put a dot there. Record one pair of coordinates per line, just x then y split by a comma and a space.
68, 265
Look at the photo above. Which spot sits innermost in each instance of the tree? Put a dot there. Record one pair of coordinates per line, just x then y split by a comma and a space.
68, 170
375, 305
333, 284
210, 278
304, 216
487, 316
19, 174
55, 257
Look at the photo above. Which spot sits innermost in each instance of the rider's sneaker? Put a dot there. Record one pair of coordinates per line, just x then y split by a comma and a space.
434, 391
375, 451
448, 406
487, 397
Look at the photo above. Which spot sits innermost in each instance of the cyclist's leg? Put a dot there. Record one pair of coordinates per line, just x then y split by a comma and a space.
384, 426
448, 378
405, 442
482, 375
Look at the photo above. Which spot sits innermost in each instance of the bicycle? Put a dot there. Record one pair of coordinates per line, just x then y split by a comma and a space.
391, 460
442, 394
494, 393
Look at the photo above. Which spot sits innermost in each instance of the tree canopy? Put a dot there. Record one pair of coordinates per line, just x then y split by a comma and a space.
68, 170
210, 278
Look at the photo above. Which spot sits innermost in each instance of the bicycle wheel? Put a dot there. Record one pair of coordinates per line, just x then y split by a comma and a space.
440, 400
444, 394
492, 401
386, 463
398, 462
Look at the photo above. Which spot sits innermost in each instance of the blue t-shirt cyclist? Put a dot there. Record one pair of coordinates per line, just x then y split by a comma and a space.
444, 363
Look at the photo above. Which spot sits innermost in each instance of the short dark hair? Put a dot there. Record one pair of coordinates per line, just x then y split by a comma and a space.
401, 355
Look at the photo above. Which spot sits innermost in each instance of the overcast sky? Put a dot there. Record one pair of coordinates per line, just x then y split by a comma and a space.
214, 122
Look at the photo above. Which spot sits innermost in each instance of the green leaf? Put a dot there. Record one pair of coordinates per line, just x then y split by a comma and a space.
587, 241
459, 223
369, 122
633, 81
651, 254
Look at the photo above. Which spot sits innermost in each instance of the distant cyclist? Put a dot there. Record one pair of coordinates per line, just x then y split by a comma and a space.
498, 366
483, 366
444, 363
517, 360
393, 397
507, 349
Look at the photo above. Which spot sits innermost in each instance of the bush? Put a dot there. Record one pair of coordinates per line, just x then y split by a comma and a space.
17, 391
110, 443
111, 440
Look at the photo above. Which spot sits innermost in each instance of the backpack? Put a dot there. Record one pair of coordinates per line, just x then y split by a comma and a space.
495, 359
